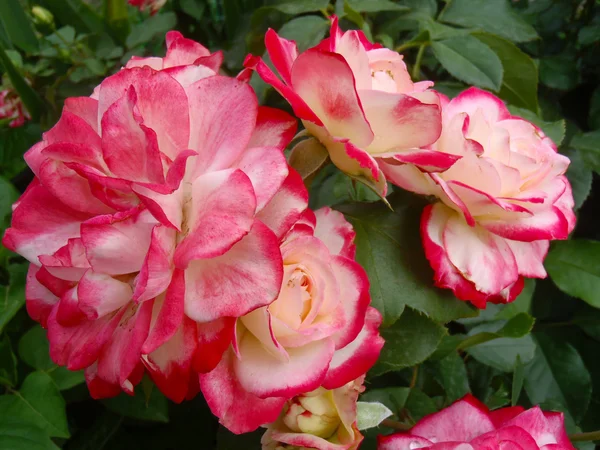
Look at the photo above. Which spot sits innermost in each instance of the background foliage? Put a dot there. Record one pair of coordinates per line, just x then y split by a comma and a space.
540, 56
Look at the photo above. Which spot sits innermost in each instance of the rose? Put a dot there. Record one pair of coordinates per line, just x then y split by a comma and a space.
501, 202
12, 109
154, 5
149, 226
320, 331
469, 425
184, 58
358, 99
322, 419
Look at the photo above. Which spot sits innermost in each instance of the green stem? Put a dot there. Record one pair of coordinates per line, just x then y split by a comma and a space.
580, 437
408, 45
417, 67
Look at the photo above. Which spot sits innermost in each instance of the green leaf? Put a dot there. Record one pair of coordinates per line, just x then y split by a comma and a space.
393, 398
12, 297
588, 35
307, 31
300, 6
438, 31
18, 26
307, 157
8, 195
39, 403
420, 9
559, 72
370, 414
389, 248
501, 353
193, 8
34, 349
558, 373
453, 377
517, 382
15, 435
522, 304
492, 16
410, 341
517, 327
554, 130
402, 400
8, 363
470, 60
589, 146
155, 409
30, 98
13, 143
375, 5
574, 266
419, 404
156, 25
95, 66
520, 79
65, 378
579, 175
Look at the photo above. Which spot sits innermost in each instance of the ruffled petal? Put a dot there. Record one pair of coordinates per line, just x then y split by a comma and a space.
286, 207
219, 213
236, 408
326, 83
460, 422
358, 356
335, 232
246, 277
105, 238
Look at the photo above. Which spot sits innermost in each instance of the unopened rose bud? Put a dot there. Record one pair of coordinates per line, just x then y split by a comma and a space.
42, 17
314, 413
316, 420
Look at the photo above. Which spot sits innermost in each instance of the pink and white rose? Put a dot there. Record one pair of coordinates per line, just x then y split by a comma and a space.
502, 202
153, 5
185, 58
150, 225
469, 425
12, 109
321, 419
319, 332
358, 99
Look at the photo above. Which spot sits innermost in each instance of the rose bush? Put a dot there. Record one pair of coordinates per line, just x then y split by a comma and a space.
469, 425
501, 202
319, 331
173, 240
358, 99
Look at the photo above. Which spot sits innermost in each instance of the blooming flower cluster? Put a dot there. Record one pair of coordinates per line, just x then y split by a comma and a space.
470, 425
168, 236
499, 180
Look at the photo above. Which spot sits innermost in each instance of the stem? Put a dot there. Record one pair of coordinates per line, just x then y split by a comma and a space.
415, 375
408, 45
417, 67
591, 436
395, 425
325, 13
